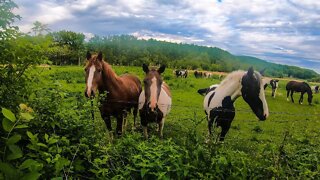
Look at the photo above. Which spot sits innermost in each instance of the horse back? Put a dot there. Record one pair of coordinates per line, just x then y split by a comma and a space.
297, 86
131, 83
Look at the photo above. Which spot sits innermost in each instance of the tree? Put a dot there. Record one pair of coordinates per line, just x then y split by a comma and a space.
73, 41
18, 53
39, 28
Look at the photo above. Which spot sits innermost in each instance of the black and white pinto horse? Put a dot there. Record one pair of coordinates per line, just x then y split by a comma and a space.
303, 87
219, 103
181, 73
274, 83
315, 89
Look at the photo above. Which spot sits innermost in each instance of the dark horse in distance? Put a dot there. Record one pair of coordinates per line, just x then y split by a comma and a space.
122, 91
303, 87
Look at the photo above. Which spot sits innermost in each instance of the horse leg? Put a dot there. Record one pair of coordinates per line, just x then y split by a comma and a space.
212, 119
288, 91
161, 124
125, 121
273, 90
144, 122
292, 96
301, 98
135, 112
107, 120
119, 129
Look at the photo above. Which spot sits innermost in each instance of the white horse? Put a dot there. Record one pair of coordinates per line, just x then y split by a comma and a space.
218, 104
155, 100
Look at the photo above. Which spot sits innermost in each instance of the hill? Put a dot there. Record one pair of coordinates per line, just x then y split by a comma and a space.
129, 50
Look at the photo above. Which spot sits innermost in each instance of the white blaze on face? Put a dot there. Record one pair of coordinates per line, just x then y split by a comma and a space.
264, 101
153, 93
90, 79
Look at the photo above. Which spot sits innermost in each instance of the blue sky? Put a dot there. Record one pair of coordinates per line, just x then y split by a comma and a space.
280, 31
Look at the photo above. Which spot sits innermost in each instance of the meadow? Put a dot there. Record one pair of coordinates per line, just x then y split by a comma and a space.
286, 145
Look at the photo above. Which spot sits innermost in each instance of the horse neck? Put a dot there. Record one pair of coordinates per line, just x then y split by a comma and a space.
309, 91
110, 78
227, 88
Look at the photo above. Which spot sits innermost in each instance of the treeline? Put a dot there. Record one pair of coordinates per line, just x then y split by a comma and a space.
69, 48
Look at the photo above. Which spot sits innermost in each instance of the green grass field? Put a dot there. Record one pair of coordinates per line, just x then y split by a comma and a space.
290, 128
187, 105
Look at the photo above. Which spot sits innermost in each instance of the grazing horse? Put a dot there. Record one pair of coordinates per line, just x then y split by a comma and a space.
219, 103
181, 73
198, 74
122, 91
155, 100
303, 87
274, 83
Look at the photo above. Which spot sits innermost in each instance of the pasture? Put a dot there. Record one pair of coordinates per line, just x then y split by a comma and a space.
286, 145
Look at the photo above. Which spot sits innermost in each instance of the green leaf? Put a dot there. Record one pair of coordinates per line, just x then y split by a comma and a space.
27, 164
52, 141
31, 176
42, 145
32, 165
26, 116
57, 178
60, 163
7, 124
143, 172
21, 126
30, 135
46, 137
16, 152
9, 171
8, 114
13, 139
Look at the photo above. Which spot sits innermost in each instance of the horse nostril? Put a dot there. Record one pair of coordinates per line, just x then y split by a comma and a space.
85, 94
92, 94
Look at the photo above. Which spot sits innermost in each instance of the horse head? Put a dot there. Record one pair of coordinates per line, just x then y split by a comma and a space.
93, 71
152, 85
253, 93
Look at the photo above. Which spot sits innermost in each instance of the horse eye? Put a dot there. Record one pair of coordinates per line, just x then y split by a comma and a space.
85, 69
99, 70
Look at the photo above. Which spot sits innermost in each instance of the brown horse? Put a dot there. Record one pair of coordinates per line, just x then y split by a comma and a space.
155, 100
122, 91
303, 87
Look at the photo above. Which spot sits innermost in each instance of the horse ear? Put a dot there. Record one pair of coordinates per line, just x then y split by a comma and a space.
161, 69
99, 56
88, 55
262, 71
250, 71
277, 80
145, 68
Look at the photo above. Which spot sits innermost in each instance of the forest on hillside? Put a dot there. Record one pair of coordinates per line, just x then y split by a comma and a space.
129, 50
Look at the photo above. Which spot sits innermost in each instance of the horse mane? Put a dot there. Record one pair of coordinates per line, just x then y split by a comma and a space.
235, 74
309, 91
109, 72
306, 84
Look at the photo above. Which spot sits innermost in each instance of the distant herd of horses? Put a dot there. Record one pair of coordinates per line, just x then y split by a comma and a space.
153, 101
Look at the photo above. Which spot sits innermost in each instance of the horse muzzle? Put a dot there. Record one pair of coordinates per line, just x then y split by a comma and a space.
89, 94
263, 117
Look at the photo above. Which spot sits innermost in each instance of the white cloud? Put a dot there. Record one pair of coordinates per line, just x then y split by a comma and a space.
251, 27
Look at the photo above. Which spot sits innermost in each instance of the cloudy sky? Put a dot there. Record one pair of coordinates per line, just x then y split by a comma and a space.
281, 31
